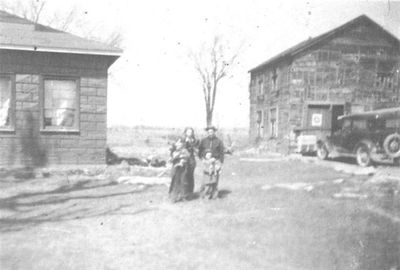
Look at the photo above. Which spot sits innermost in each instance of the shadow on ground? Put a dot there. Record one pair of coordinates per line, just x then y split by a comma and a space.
222, 194
71, 201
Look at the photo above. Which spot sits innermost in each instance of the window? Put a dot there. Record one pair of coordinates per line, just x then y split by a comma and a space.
274, 79
384, 80
260, 121
376, 124
360, 124
323, 56
6, 102
259, 117
260, 87
60, 104
393, 123
273, 123
346, 124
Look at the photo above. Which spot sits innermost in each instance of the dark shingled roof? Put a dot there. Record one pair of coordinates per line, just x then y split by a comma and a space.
311, 42
21, 34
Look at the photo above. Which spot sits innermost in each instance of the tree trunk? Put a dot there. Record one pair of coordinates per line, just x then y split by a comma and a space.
209, 117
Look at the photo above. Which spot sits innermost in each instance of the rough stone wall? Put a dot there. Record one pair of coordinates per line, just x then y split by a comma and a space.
27, 145
270, 89
361, 67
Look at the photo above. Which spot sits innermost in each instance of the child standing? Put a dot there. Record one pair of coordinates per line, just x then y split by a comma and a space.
211, 170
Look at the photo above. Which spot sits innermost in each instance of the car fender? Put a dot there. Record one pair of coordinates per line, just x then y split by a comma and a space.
367, 142
327, 143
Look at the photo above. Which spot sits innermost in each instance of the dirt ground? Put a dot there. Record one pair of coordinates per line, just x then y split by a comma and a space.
86, 223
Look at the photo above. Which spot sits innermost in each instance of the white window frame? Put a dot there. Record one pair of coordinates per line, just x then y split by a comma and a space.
76, 127
11, 126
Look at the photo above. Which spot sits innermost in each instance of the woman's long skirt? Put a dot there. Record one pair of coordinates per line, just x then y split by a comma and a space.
190, 174
180, 187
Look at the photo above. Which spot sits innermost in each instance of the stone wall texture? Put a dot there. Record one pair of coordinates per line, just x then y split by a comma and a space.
359, 69
27, 144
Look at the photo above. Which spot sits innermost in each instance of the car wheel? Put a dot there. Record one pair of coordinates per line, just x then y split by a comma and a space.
322, 151
391, 145
363, 155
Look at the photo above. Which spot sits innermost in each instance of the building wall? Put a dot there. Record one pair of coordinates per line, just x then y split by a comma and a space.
270, 94
358, 69
27, 145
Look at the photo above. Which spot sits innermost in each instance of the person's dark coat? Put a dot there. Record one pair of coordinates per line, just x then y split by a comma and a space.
214, 145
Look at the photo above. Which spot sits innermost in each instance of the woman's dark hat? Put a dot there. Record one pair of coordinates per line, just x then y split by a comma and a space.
211, 127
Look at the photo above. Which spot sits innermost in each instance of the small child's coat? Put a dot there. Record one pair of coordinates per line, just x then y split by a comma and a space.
211, 170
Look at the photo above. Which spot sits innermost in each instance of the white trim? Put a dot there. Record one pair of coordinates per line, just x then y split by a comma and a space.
60, 50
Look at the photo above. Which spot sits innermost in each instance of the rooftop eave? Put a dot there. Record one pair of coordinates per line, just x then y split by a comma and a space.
271, 62
61, 50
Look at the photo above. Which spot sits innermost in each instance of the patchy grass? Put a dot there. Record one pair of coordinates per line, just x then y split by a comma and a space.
98, 225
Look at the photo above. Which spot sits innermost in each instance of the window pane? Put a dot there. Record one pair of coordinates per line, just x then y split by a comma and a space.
60, 98
273, 114
259, 117
273, 123
5, 101
393, 123
346, 124
360, 124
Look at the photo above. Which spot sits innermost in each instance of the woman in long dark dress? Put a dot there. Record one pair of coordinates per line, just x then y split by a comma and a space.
183, 165
179, 188
192, 145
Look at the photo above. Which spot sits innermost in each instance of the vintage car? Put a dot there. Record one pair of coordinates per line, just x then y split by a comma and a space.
369, 137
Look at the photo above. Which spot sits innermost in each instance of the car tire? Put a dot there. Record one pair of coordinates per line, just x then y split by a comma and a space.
391, 145
363, 155
322, 151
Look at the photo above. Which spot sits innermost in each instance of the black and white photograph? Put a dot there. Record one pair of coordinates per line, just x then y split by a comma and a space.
225, 134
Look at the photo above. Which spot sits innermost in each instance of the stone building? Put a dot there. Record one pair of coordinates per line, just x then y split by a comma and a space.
53, 95
352, 68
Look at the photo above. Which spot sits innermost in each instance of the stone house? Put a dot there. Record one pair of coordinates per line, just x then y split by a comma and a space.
53, 95
352, 68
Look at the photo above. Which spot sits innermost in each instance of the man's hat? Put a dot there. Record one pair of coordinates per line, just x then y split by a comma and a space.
211, 127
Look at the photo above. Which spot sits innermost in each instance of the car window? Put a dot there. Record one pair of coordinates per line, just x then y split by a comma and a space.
346, 124
393, 123
360, 124
376, 124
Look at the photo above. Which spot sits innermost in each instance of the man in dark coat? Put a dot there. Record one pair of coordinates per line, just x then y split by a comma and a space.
212, 144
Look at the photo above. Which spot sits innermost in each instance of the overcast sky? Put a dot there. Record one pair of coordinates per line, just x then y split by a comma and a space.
154, 83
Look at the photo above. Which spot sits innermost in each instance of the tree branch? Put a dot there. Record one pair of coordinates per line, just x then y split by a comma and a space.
212, 70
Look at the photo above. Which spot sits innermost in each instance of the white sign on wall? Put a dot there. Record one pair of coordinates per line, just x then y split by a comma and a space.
316, 120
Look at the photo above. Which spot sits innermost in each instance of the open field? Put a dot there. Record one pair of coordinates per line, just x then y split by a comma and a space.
153, 141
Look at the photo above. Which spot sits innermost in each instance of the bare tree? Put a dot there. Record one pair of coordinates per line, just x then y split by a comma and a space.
212, 63
32, 10
35, 10
63, 22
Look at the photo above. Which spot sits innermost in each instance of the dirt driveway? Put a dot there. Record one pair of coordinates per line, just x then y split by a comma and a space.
97, 224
